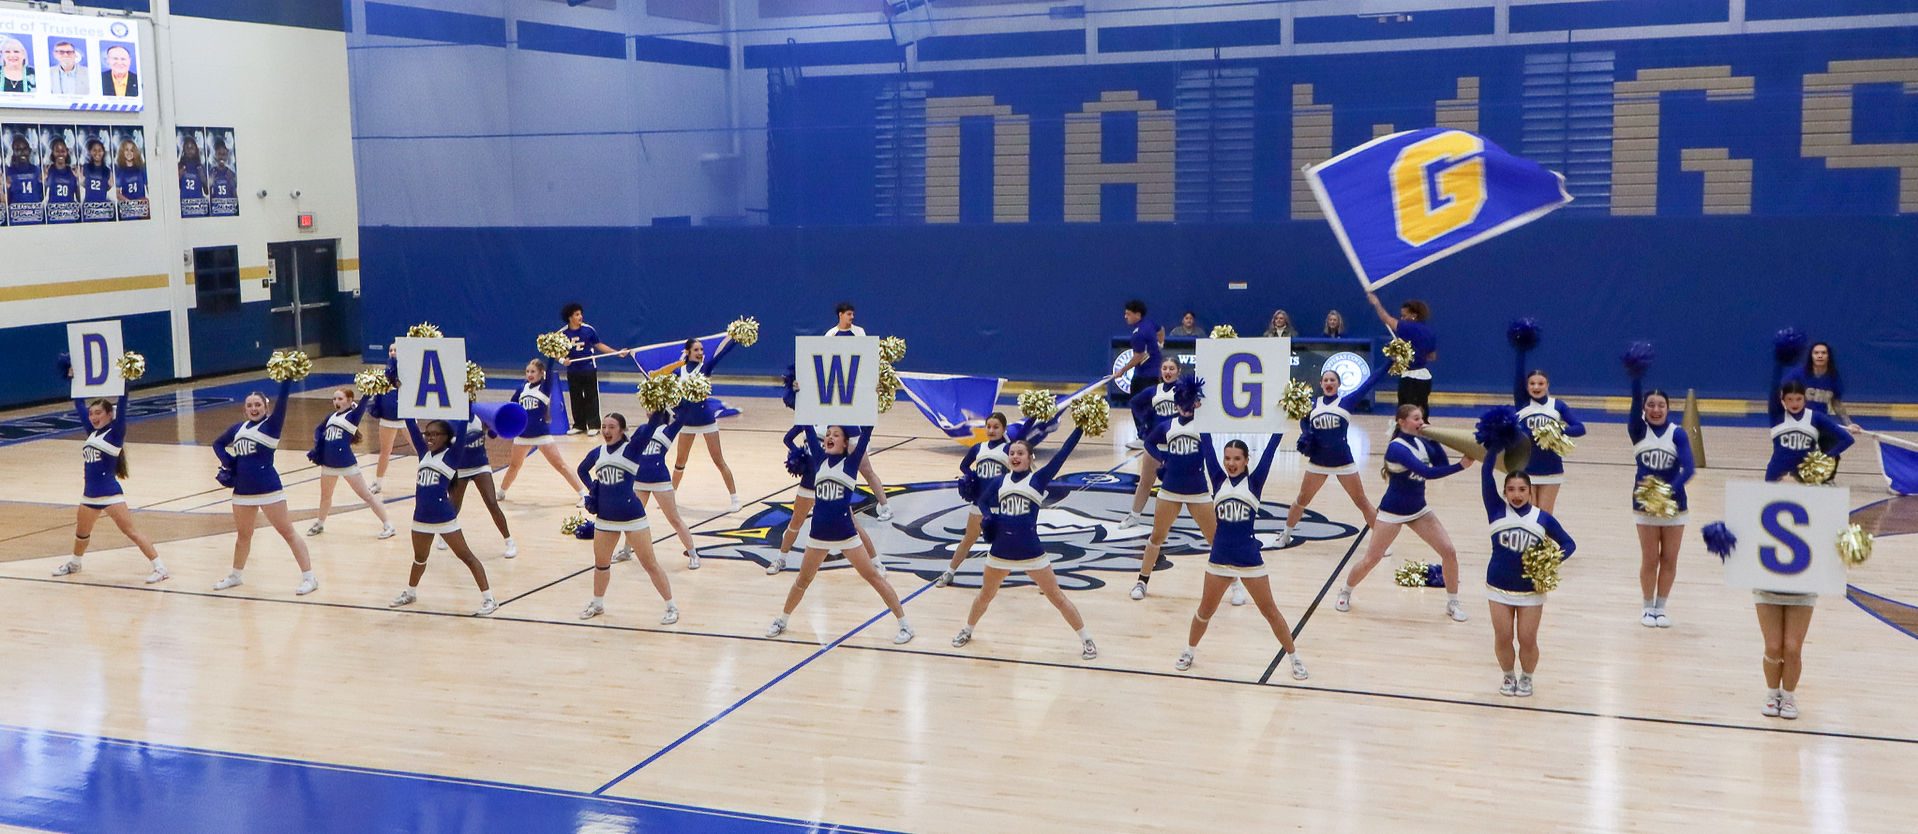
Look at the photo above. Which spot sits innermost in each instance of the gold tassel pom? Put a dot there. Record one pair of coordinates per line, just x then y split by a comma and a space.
1091, 414
1550, 436
659, 393
1410, 575
1817, 468
423, 330
571, 524
1297, 400
888, 381
1541, 564
1400, 352
892, 349
695, 387
288, 365
475, 381
132, 366
1854, 546
744, 331
554, 344
1654, 498
1224, 331
372, 382
1039, 405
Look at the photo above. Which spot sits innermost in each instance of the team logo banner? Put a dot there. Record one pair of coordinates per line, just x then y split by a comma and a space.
432, 378
838, 379
95, 347
1787, 537
1402, 201
1244, 379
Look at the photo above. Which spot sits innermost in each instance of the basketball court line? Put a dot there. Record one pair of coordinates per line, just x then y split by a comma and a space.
1307, 616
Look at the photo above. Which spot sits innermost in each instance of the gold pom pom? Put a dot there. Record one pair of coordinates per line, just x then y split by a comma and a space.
1297, 400
1550, 436
695, 387
423, 330
132, 366
571, 524
475, 380
1091, 414
288, 365
886, 400
1410, 575
888, 383
659, 393
1654, 498
892, 349
1854, 545
372, 382
744, 331
1224, 331
1039, 405
1400, 352
1541, 564
554, 344
1817, 468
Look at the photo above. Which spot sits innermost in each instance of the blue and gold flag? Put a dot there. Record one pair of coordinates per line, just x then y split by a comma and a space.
1402, 201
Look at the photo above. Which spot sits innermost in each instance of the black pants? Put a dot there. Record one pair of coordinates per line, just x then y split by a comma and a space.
582, 396
1417, 392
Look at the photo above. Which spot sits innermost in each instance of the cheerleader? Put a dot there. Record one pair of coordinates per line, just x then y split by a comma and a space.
652, 480
835, 467
1182, 480
1015, 499
1662, 450
799, 463
104, 462
386, 408
1235, 555
333, 441
1150, 405
983, 462
697, 418
1516, 604
1413, 325
1796, 430
1532, 396
246, 464
1410, 461
1322, 439
1824, 388
435, 513
845, 311
608, 472
536, 396
474, 466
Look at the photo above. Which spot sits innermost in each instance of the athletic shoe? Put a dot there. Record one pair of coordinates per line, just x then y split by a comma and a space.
499, 494
374, 487
1135, 443
487, 606
512, 549
1131, 520
879, 565
1138, 590
904, 636
1524, 686
1185, 660
964, 637
575, 431
885, 512
1455, 610
776, 565
406, 597
1509, 687
944, 579
624, 553
692, 560
1238, 592
307, 586
439, 543
1648, 619
316, 529
1663, 621
1298, 669
1344, 601
158, 575
777, 628
1788, 707
1285, 539
671, 616
388, 532
1087, 651
231, 581
734, 506
67, 567
593, 609
1772, 699
592, 432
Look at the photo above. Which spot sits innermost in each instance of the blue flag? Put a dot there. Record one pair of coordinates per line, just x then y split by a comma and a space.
956, 405
1900, 465
1402, 201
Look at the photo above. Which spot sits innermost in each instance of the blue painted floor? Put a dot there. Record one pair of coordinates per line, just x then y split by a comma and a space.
64, 782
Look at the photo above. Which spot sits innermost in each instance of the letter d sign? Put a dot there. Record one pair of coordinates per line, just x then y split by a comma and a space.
95, 349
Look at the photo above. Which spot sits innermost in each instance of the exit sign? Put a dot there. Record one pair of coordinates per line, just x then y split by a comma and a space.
306, 221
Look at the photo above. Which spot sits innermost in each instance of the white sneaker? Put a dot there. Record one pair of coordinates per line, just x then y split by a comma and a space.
1772, 699
1344, 601
307, 586
499, 493
231, 581
885, 512
575, 431
1138, 590
904, 636
692, 560
1088, 651
1509, 687
964, 637
879, 565
316, 529
624, 553
944, 579
671, 616
1185, 660
592, 432
158, 575
1788, 707
388, 532
487, 606
374, 487
406, 597
1662, 620
777, 628
68, 567
1131, 520
512, 549
1298, 669
1135, 443
1524, 689
776, 565
593, 609
439, 543
1285, 539
1455, 610
733, 507
1238, 593
1648, 619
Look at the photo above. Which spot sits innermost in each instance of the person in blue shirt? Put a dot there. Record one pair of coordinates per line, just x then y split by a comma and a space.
333, 441
1235, 559
386, 409
1797, 430
1824, 387
24, 185
63, 182
1151, 404
1323, 439
474, 466
96, 175
698, 418
654, 481
1413, 324
1410, 461
835, 468
877, 488
130, 173
1517, 605
1660, 449
246, 463
536, 396
1532, 396
434, 514
609, 471
1147, 352
1014, 501
984, 461
192, 170
799, 462
582, 373
1182, 479
103, 459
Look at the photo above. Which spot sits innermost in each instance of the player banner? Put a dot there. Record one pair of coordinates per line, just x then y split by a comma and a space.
130, 173
432, 378
838, 378
26, 190
97, 151
1787, 537
187, 142
95, 348
1244, 379
1402, 201
223, 173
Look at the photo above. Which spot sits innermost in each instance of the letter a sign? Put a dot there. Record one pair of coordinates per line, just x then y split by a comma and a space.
1244, 379
432, 378
838, 379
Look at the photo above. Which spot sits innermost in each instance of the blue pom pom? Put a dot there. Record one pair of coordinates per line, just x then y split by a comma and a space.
1187, 391
797, 462
584, 530
988, 528
1719, 539
1789, 344
969, 488
1435, 576
313, 455
1523, 333
1638, 358
1308, 443
789, 384
1498, 429
224, 477
592, 504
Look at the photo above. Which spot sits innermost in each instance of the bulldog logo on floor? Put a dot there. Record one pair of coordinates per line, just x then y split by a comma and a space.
1080, 525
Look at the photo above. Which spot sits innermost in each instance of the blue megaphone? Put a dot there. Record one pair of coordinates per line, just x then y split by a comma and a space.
502, 419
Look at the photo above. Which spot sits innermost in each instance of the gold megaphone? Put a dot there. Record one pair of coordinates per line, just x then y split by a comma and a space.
1461, 441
